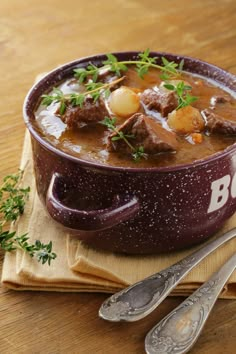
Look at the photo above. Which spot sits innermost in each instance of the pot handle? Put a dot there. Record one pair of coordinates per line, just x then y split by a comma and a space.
123, 208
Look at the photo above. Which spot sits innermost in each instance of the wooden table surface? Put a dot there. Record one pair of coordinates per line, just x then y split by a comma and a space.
36, 36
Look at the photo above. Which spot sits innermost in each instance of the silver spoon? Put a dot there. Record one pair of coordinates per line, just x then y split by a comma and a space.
140, 299
179, 330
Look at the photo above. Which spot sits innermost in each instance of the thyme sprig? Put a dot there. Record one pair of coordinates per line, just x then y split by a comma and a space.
82, 74
114, 65
89, 76
137, 153
144, 62
171, 69
93, 89
56, 97
12, 204
184, 98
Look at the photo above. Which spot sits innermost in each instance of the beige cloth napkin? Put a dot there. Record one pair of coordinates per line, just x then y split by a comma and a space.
80, 268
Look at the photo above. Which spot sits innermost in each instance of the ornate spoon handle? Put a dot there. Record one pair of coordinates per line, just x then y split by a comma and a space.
179, 330
140, 299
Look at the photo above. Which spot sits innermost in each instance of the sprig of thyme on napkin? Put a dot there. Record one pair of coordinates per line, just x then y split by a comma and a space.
12, 204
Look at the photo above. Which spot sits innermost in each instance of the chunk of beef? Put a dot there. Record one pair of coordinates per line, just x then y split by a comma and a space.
163, 101
217, 124
143, 131
220, 99
90, 112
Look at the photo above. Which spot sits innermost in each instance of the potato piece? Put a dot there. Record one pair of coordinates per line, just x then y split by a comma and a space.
124, 102
186, 120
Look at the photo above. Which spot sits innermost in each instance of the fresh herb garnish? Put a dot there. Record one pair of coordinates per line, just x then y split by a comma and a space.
114, 65
89, 75
12, 204
137, 153
94, 90
83, 74
170, 69
56, 96
143, 63
77, 99
184, 98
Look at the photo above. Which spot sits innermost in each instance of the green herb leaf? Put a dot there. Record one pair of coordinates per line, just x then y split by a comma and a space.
145, 63
62, 108
181, 65
171, 65
114, 64
90, 86
169, 69
109, 123
107, 92
145, 57
142, 70
82, 74
12, 198
138, 153
187, 88
77, 99
169, 86
56, 97
47, 100
184, 98
12, 204
96, 88
186, 101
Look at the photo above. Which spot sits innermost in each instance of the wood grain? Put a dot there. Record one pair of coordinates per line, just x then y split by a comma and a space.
36, 36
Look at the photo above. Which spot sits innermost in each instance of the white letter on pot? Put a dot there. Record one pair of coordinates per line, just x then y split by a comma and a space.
233, 186
220, 193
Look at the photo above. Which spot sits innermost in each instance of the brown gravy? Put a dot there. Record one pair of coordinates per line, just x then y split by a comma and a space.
88, 143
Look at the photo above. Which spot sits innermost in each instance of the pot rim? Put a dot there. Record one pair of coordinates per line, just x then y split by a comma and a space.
67, 67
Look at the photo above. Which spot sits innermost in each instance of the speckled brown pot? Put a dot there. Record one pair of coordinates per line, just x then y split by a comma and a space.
133, 210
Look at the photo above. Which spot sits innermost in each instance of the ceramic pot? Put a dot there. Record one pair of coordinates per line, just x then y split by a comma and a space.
133, 210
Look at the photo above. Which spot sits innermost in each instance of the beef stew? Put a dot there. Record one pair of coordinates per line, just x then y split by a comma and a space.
163, 132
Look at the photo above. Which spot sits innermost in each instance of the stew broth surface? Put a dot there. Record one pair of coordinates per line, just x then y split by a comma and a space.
89, 142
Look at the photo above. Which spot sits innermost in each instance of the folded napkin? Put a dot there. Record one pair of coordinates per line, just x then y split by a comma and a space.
80, 268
